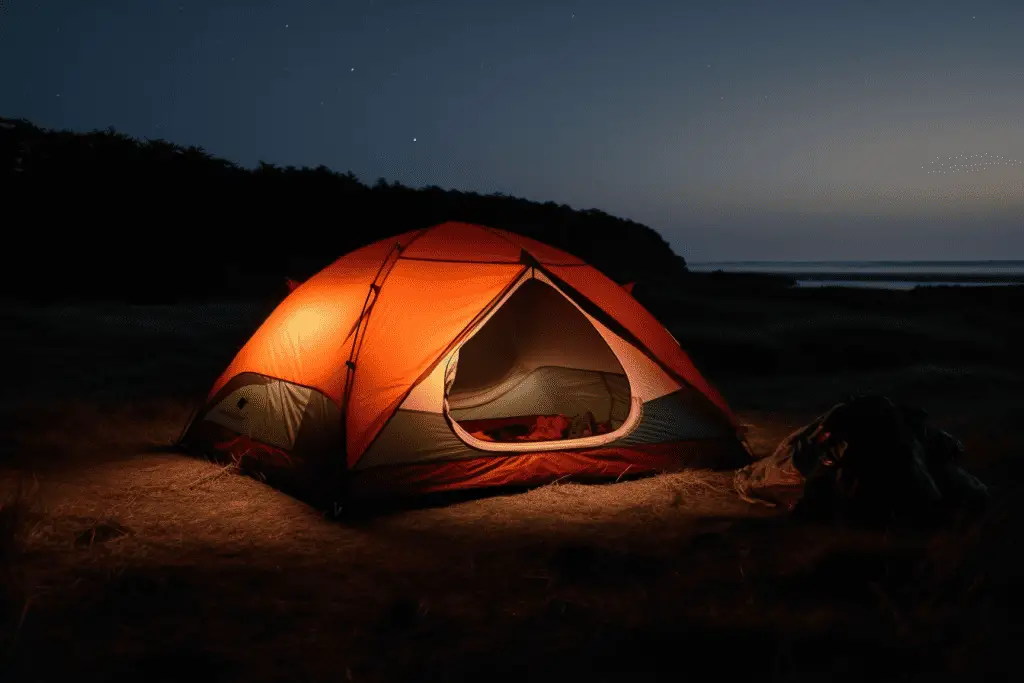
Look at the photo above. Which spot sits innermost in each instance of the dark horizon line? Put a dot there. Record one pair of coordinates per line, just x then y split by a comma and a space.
898, 262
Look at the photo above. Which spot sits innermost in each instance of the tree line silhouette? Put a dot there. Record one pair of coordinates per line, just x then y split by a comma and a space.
102, 215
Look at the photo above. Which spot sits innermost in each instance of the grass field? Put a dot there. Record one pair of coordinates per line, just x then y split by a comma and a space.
122, 559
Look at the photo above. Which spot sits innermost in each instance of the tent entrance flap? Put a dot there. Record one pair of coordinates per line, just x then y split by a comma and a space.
538, 358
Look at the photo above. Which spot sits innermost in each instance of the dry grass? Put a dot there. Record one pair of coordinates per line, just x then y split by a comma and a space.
20, 514
137, 561
262, 556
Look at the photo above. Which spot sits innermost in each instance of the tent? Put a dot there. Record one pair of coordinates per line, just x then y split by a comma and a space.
461, 356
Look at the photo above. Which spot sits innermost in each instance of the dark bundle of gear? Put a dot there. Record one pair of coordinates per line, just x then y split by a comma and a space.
867, 459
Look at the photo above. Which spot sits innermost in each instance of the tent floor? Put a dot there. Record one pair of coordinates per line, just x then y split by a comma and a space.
525, 428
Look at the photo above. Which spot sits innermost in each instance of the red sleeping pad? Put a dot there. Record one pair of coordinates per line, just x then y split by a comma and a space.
528, 428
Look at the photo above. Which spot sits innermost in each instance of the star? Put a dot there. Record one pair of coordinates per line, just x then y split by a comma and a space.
352, 69
414, 139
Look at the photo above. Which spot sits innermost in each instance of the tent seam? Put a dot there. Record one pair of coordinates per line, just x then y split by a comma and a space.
362, 323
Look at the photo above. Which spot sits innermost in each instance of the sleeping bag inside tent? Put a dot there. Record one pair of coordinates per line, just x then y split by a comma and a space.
461, 356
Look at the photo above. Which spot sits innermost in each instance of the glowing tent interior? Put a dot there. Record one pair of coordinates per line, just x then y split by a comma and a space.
461, 356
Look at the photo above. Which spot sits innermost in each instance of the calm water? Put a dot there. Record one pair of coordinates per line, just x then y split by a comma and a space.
880, 274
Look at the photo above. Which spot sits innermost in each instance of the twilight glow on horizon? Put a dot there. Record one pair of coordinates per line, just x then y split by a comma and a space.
737, 129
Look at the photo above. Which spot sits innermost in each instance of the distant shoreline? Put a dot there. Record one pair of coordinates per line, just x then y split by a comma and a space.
1013, 263
1001, 278
1006, 272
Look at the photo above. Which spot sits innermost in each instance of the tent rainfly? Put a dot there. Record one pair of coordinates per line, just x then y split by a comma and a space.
461, 356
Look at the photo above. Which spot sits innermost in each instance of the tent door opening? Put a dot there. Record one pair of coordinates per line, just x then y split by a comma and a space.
537, 371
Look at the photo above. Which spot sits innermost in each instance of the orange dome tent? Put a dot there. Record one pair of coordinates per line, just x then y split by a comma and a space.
461, 356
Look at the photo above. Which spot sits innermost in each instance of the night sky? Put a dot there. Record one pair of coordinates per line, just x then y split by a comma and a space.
739, 130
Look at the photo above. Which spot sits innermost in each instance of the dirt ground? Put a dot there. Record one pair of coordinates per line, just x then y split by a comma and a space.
123, 559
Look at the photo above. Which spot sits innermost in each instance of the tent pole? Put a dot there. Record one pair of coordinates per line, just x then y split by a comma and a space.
342, 472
